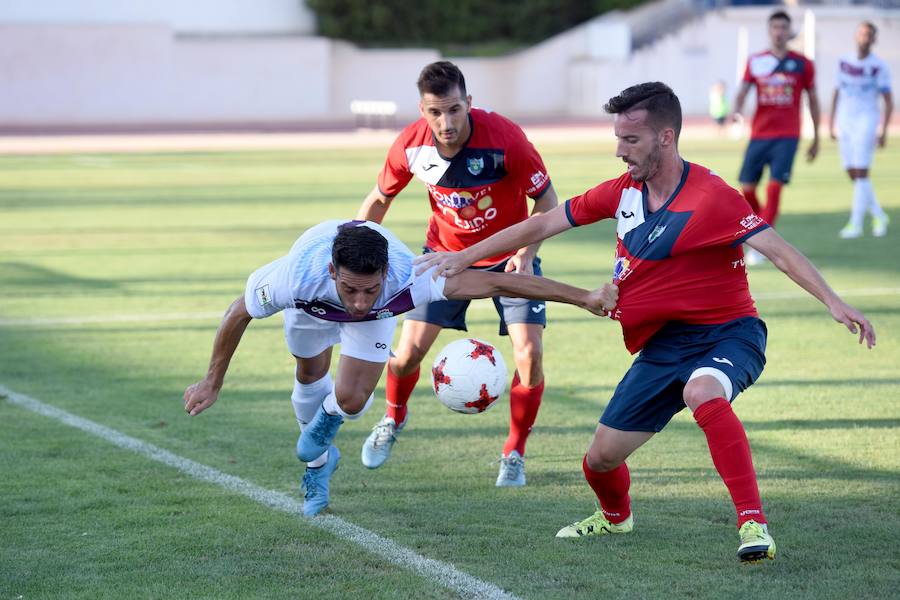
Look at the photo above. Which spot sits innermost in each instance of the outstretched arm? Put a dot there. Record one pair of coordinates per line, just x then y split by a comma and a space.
205, 392
522, 260
484, 284
374, 207
797, 267
531, 230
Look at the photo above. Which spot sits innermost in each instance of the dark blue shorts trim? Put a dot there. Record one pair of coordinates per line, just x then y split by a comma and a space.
451, 314
651, 392
777, 153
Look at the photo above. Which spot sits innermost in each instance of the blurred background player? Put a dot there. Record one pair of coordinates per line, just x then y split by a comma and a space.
345, 283
861, 78
779, 76
718, 104
684, 304
478, 168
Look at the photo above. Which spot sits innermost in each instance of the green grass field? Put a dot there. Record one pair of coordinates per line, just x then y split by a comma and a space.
114, 269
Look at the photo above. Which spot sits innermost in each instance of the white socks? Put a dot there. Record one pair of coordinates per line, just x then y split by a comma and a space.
864, 201
331, 407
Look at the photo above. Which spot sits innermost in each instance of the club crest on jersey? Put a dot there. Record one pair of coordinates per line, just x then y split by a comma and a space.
475, 165
384, 313
263, 295
657, 231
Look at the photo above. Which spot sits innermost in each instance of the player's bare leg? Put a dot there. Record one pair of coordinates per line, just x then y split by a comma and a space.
416, 338
606, 472
525, 395
730, 450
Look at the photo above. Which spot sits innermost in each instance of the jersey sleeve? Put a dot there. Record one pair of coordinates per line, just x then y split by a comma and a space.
727, 221
595, 204
425, 288
528, 166
268, 289
883, 79
395, 174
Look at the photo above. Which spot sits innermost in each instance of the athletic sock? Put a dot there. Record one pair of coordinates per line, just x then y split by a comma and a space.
397, 392
869, 201
611, 488
331, 407
524, 403
752, 200
773, 199
730, 452
307, 397
860, 203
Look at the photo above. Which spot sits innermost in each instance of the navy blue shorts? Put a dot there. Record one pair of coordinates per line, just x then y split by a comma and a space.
451, 314
778, 153
651, 393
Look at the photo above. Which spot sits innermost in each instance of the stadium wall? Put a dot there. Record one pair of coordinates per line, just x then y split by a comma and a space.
58, 75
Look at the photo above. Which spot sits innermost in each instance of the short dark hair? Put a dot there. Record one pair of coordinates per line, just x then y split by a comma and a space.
871, 27
359, 249
439, 78
779, 14
658, 99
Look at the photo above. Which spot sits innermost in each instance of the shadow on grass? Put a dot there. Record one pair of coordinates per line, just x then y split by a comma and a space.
20, 274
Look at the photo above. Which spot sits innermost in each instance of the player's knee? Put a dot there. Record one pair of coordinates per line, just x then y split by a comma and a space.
601, 460
407, 358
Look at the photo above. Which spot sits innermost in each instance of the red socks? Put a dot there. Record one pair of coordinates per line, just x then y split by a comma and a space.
730, 452
397, 392
611, 488
752, 200
773, 198
523, 409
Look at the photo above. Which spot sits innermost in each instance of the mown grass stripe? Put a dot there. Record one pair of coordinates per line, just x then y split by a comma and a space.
442, 573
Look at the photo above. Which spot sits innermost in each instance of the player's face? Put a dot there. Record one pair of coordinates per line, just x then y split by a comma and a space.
357, 291
779, 33
447, 116
638, 144
865, 37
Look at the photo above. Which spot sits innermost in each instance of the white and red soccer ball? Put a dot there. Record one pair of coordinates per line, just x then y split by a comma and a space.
469, 375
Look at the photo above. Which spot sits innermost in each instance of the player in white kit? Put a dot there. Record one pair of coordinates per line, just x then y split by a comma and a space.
861, 78
344, 282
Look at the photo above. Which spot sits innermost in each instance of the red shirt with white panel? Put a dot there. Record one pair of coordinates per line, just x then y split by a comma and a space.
779, 87
683, 262
476, 193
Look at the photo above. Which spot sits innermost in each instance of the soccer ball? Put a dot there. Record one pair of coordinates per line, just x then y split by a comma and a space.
469, 375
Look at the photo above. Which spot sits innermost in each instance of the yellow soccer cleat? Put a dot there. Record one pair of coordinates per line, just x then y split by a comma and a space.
756, 543
596, 524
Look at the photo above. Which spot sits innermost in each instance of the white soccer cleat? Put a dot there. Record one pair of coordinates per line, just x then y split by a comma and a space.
512, 470
377, 447
880, 225
850, 232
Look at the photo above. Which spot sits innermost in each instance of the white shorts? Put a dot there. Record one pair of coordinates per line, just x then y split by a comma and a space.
308, 336
857, 142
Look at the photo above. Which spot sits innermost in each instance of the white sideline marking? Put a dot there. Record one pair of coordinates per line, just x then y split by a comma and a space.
478, 306
445, 574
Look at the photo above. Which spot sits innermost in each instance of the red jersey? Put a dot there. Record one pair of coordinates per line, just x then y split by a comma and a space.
683, 262
476, 193
779, 86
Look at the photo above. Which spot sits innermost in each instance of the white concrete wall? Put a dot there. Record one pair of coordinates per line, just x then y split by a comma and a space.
183, 16
63, 74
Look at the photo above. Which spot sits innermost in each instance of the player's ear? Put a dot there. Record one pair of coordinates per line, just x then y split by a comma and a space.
469, 102
332, 271
667, 136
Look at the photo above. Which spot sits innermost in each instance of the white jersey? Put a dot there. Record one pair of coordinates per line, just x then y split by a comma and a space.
860, 82
301, 279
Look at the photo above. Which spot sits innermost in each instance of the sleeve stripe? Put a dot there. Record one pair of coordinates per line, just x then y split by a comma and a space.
749, 235
569, 213
543, 191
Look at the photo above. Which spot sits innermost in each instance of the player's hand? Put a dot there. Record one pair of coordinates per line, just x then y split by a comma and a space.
855, 321
520, 262
199, 397
832, 134
813, 151
445, 264
882, 140
737, 117
603, 299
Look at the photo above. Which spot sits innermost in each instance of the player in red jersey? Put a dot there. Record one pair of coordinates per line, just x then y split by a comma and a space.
684, 304
779, 76
478, 168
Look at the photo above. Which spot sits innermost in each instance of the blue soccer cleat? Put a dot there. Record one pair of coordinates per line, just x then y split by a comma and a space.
316, 481
317, 435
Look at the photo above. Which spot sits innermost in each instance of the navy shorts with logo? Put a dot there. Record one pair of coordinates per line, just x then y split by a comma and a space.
651, 393
778, 153
451, 314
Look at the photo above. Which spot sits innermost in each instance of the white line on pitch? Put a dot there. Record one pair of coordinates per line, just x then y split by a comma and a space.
440, 572
478, 306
